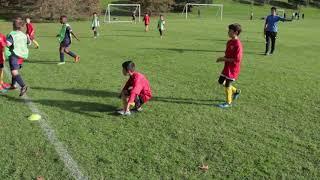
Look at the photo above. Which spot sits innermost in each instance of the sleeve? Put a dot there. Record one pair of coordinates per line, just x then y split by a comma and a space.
69, 29
137, 87
237, 52
3, 41
9, 40
281, 19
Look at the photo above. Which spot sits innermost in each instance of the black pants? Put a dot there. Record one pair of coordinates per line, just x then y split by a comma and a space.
270, 36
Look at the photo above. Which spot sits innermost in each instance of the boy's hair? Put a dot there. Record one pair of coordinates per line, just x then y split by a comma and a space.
94, 13
28, 18
161, 15
128, 66
63, 16
236, 28
274, 8
18, 23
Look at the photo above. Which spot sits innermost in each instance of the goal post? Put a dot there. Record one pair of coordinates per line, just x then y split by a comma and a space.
108, 13
187, 7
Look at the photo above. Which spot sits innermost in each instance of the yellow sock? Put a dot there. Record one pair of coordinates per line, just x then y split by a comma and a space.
228, 95
36, 43
1, 76
234, 90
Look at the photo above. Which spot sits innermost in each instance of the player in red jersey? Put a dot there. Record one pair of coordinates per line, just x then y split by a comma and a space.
232, 61
137, 90
146, 20
3, 44
31, 32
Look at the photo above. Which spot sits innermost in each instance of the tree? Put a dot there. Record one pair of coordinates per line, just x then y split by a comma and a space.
155, 6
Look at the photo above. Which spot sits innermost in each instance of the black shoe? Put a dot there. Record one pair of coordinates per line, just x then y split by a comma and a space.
23, 90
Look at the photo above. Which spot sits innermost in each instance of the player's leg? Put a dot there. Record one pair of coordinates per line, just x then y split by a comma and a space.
273, 41
125, 98
36, 43
221, 80
72, 54
61, 52
1, 74
267, 42
16, 77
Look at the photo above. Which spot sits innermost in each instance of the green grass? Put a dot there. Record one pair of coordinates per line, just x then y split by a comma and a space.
271, 133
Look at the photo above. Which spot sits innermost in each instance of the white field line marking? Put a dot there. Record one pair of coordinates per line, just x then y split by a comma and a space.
51, 136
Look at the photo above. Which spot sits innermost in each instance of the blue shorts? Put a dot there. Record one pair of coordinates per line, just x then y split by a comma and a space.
15, 62
65, 44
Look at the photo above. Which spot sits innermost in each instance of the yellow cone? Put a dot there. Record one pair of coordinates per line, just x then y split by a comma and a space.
34, 117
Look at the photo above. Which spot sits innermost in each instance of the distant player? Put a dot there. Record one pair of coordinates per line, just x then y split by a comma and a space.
17, 42
137, 90
95, 24
271, 29
146, 20
31, 32
251, 15
161, 25
232, 61
134, 16
3, 44
65, 41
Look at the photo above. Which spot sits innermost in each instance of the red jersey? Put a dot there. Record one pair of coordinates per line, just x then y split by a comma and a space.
140, 87
146, 19
3, 44
30, 30
234, 49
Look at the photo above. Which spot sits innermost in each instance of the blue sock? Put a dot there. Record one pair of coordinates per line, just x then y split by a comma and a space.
61, 57
72, 54
13, 81
19, 80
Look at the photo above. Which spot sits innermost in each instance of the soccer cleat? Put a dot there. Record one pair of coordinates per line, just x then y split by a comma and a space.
266, 54
23, 90
236, 95
61, 63
225, 105
13, 87
124, 113
77, 59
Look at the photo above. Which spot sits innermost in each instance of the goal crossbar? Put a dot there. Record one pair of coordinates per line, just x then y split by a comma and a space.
185, 9
108, 11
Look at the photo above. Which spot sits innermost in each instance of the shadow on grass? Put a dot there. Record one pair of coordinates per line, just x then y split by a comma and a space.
79, 107
181, 50
35, 61
101, 93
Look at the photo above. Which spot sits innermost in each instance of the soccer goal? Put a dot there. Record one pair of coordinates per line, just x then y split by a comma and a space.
280, 12
122, 13
187, 9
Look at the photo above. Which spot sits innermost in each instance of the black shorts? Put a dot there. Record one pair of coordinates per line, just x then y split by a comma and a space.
138, 100
15, 62
161, 32
94, 28
225, 80
1, 66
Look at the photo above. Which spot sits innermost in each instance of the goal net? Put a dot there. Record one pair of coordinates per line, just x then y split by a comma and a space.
192, 10
280, 12
122, 13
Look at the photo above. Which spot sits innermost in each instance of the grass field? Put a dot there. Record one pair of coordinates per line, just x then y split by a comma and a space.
271, 133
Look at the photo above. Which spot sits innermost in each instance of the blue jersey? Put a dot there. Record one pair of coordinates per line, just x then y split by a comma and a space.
272, 23
67, 37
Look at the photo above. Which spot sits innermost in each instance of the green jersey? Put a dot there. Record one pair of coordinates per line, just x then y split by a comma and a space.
161, 24
95, 22
19, 44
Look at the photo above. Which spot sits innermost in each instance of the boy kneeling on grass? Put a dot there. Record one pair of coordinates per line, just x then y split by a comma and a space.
137, 90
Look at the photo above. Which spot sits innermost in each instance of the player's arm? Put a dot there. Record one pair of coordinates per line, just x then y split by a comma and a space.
284, 19
224, 59
9, 41
71, 32
137, 87
265, 26
74, 35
